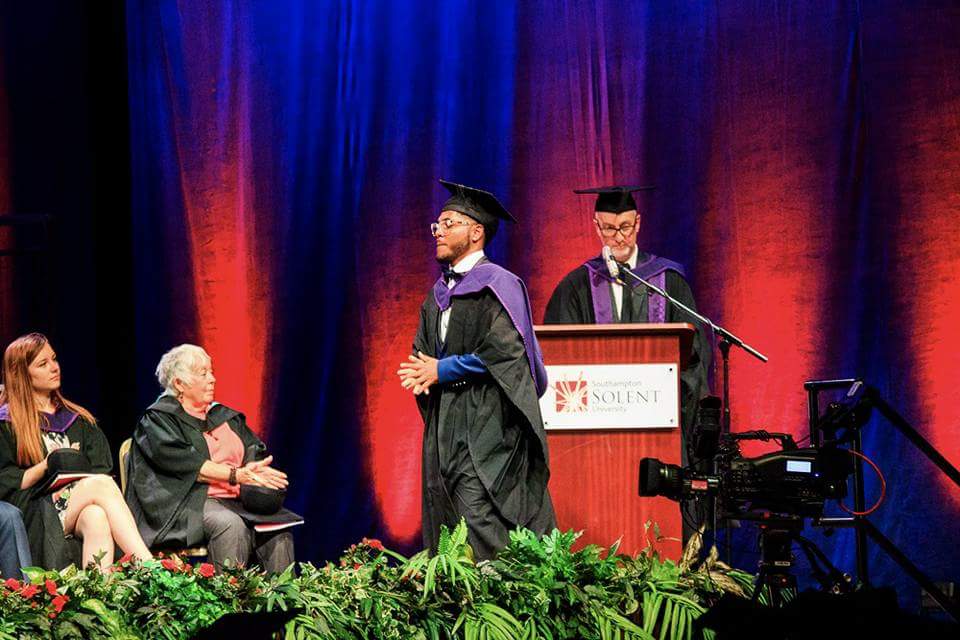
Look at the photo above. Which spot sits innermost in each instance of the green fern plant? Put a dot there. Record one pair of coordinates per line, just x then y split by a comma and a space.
453, 564
538, 588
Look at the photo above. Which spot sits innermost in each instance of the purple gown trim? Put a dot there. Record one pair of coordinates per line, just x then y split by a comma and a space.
57, 423
600, 292
653, 269
657, 304
512, 294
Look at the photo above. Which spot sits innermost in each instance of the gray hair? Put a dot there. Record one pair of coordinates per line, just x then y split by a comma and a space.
181, 363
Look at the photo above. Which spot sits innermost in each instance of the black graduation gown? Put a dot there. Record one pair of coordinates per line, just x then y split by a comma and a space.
168, 449
50, 548
571, 303
487, 427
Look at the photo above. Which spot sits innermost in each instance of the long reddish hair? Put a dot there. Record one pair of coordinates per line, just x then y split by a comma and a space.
17, 393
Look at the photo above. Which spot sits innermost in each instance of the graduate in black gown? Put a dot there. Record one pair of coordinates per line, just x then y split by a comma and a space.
588, 295
477, 374
190, 460
40, 430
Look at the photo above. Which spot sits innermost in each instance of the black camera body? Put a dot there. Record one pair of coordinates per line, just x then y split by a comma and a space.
795, 482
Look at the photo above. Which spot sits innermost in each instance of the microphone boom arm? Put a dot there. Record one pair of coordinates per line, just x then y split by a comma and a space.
726, 335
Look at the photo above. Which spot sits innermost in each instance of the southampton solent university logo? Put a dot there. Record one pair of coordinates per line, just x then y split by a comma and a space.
572, 395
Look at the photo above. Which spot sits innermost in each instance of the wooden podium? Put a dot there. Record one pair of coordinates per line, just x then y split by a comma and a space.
594, 474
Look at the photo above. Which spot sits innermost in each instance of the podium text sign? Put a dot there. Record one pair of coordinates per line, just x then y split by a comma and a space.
594, 466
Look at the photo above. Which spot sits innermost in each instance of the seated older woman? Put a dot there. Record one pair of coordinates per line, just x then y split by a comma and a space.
188, 459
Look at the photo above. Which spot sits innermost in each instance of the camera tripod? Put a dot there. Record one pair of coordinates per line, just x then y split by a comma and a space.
777, 535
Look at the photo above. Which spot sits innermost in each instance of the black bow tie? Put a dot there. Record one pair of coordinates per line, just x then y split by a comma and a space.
450, 274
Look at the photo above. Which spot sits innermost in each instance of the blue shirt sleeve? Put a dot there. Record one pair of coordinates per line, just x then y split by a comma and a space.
453, 368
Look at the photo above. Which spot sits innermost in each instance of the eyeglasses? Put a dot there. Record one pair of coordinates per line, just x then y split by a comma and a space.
608, 232
446, 225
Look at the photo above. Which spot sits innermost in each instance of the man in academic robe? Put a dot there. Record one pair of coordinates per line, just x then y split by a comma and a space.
477, 374
590, 295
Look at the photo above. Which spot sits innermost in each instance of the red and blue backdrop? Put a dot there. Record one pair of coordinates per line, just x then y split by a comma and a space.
259, 178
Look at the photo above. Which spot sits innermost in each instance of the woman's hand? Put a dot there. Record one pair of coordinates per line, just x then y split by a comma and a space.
262, 474
32, 475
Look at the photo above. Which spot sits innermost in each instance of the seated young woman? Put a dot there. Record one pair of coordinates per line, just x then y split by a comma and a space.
35, 421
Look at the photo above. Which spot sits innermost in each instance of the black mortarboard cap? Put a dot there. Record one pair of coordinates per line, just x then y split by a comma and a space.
261, 500
614, 199
63, 461
480, 205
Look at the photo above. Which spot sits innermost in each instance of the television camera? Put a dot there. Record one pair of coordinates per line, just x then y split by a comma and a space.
777, 489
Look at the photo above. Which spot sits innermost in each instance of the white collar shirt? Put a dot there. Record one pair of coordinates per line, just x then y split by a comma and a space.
468, 262
618, 288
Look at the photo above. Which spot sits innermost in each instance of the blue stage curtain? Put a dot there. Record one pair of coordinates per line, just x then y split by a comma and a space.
285, 158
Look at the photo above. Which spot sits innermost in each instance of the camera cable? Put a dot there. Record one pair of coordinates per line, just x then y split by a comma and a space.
883, 488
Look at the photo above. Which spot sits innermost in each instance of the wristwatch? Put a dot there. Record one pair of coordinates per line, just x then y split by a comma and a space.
233, 475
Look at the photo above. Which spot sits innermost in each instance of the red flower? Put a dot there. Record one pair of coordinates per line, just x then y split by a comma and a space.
232, 580
169, 564
51, 587
13, 585
373, 543
59, 602
125, 558
29, 591
357, 565
206, 570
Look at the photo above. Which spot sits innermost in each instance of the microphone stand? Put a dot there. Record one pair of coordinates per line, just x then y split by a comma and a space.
727, 339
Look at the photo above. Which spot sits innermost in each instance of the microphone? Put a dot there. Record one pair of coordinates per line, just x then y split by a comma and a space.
612, 267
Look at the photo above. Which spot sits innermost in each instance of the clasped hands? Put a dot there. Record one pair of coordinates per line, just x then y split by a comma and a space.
261, 473
418, 373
